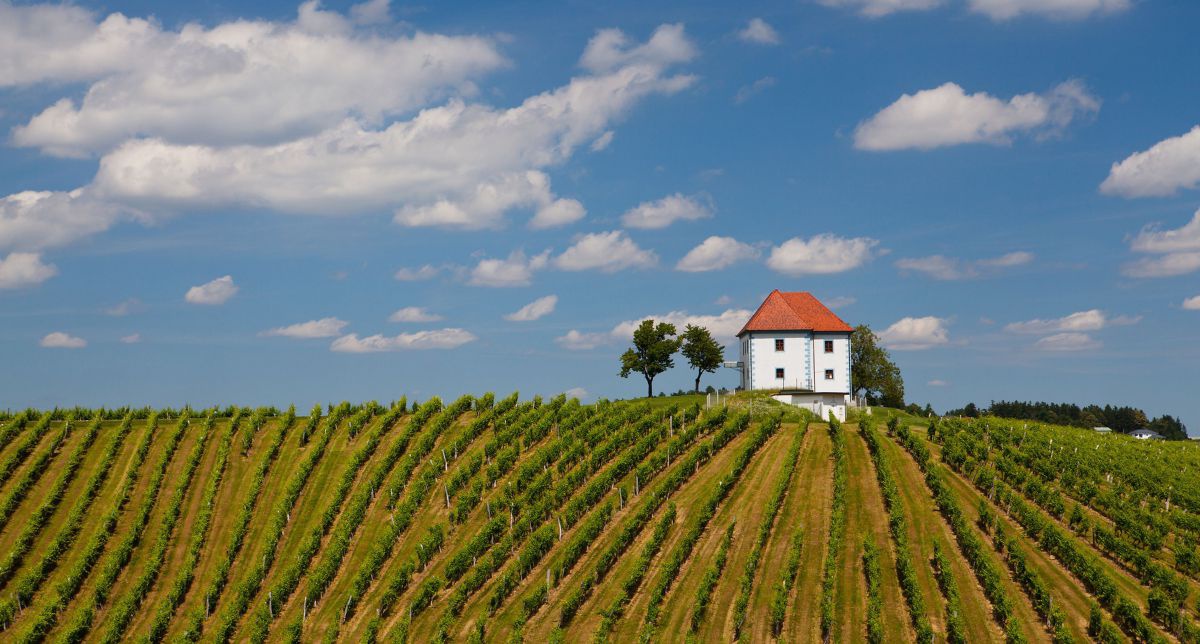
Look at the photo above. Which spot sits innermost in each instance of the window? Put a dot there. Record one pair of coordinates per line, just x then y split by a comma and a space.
779, 346
829, 374
779, 373
829, 346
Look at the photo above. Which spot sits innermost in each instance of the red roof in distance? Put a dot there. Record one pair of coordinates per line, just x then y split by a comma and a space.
794, 312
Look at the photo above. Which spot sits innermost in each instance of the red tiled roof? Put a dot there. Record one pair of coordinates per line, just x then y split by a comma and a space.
794, 312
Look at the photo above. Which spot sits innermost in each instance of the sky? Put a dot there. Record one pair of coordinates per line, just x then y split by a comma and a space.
267, 203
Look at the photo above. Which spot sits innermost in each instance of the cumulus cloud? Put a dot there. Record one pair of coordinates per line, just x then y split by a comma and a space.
914, 334
1192, 303
1054, 9
215, 292
1164, 169
19, 270
716, 253
34, 220
1175, 251
758, 32
607, 252
611, 49
419, 274
821, 255
125, 307
747, 92
559, 212
284, 79
947, 115
575, 340
323, 328
515, 270
879, 8
1090, 320
538, 308
60, 340
1067, 342
132, 338
666, 211
434, 339
724, 326
413, 314
941, 267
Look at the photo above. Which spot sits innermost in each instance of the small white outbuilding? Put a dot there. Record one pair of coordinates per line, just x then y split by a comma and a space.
797, 348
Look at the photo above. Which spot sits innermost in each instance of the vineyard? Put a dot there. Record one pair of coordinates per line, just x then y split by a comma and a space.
497, 519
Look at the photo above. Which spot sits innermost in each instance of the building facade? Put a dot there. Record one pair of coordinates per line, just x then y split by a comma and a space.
797, 348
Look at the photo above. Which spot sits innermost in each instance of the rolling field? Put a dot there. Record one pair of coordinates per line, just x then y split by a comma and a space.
490, 519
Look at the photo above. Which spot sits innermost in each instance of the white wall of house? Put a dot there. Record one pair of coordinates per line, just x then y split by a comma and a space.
820, 404
804, 361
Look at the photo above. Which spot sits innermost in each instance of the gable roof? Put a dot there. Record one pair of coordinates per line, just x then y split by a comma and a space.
798, 311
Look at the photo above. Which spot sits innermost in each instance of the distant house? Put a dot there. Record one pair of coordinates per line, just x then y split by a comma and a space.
796, 347
1146, 434
1102, 430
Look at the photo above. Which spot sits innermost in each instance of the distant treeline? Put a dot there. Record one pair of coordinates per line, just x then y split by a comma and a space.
1119, 419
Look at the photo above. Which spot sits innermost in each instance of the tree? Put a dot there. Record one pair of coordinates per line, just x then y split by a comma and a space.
702, 351
872, 370
653, 346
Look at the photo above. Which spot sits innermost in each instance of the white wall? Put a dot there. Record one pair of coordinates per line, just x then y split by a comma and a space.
803, 360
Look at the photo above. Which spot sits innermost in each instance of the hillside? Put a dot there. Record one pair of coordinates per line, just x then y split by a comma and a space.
503, 520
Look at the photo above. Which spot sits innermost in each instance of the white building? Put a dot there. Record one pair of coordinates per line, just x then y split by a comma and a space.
797, 348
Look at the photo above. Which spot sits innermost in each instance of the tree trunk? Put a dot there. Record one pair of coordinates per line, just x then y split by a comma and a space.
649, 387
698, 374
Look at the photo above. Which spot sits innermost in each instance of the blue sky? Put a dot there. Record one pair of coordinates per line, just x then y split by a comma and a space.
268, 203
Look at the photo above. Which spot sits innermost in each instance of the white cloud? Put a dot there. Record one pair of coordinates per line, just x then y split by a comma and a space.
420, 274
19, 270
33, 220
602, 142
60, 340
611, 49
759, 32
1166, 167
914, 334
323, 328
217, 291
878, 8
559, 212
1192, 303
840, 301
1090, 320
538, 308
666, 211
577, 341
951, 268
244, 81
724, 325
608, 252
516, 270
459, 165
821, 255
371, 12
1055, 9
577, 392
414, 314
747, 92
1067, 342
938, 383
434, 339
132, 338
947, 115
1177, 250
126, 307
716, 253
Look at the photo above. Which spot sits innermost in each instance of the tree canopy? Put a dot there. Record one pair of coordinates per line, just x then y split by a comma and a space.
652, 351
703, 353
872, 371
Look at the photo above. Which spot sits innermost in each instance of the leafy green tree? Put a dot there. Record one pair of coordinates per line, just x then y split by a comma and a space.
872, 371
703, 353
652, 351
